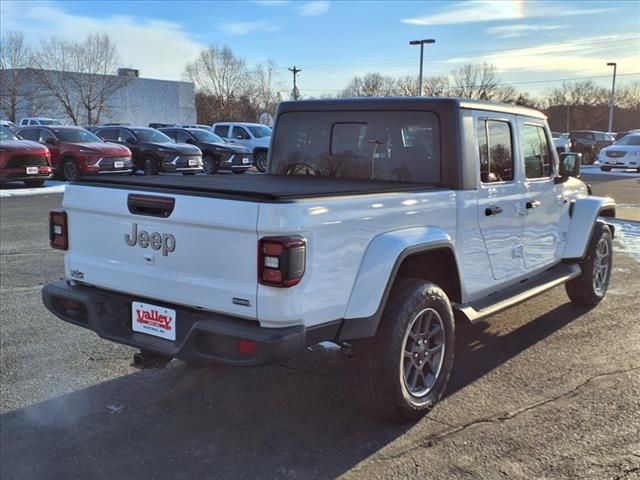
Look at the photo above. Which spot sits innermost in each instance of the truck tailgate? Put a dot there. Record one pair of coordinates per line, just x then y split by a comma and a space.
207, 265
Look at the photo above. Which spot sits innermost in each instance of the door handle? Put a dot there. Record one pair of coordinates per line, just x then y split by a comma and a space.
493, 210
533, 204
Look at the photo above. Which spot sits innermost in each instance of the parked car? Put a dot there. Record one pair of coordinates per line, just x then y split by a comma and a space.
199, 125
589, 143
22, 160
9, 124
254, 136
625, 153
161, 125
76, 151
154, 152
216, 153
398, 216
561, 143
39, 121
621, 135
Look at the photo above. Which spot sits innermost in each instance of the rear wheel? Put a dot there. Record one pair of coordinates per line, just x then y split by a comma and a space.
591, 286
261, 160
151, 166
35, 183
70, 170
409, 361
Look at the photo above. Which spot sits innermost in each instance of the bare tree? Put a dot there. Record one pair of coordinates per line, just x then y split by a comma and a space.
15, 63
628, 96
436, 86
266, 87
480, 81
80, 75
370, 85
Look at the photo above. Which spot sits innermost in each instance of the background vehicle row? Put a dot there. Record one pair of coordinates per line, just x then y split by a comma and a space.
22, 160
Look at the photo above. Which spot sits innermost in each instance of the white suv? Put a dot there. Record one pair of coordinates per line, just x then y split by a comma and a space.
255, 136
39, 121
625, 153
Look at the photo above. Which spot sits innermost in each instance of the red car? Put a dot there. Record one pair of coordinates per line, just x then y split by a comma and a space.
23, 161
76, 151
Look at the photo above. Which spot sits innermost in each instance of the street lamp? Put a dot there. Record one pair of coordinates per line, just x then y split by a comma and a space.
613, 90
421, 43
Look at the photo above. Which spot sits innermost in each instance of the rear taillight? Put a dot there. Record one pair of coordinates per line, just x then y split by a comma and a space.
281, 261
58, 229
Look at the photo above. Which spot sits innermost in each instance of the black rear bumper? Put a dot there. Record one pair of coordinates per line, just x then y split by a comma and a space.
201, 337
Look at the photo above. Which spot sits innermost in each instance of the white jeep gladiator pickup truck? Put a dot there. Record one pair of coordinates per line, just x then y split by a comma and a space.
379, 222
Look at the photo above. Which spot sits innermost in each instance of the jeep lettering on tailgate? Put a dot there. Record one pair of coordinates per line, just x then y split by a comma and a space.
157, 241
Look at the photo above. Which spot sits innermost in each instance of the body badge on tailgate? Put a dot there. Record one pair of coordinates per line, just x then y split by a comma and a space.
155, 240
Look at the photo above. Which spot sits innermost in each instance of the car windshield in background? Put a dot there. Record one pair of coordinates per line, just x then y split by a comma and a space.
629, 140
49, 122
6, 133
259, 131
150, 135
587, 135
375, 145
205, 136
76, 136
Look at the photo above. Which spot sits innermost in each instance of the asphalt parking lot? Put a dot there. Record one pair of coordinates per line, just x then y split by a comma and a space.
545, 390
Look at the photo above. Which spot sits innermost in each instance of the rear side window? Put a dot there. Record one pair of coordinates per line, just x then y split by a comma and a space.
222, 130
536, 152
240, 133
373, 145
496, 151
110, 135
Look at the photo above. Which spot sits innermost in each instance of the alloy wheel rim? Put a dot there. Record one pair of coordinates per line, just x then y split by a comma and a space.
70, 171
422, 353
601, 266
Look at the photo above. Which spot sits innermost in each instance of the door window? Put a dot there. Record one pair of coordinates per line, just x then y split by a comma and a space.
30, 134
180, 136
109, 135
45, 135
125, 135
496, 151
240, 133
222, 130
536, 151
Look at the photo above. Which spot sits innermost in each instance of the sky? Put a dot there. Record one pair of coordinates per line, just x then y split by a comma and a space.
533, 44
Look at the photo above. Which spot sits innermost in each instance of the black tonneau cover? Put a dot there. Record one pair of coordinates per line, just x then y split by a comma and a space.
263, 187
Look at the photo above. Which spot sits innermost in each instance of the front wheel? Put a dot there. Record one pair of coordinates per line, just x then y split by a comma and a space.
151, 166
210, 164
70, 170
261, 160
591, 286
409, 361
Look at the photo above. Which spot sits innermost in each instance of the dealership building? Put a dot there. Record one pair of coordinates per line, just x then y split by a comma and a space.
139, 101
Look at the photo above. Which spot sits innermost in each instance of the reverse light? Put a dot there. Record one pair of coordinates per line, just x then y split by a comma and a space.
58, 238
281, 261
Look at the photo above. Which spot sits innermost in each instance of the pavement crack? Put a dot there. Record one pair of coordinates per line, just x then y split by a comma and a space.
498, 419
626, 473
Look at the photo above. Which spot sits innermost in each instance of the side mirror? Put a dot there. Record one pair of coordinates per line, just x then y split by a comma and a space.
131, 141
51, 141
239, 137
570, 164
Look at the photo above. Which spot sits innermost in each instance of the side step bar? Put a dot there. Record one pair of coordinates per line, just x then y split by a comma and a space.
526, 289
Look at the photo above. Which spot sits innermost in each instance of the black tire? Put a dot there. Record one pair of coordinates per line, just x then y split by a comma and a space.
261, 160
151, 166
70, 170
211, 164
389, 366
591, 286
35, 183
605, 169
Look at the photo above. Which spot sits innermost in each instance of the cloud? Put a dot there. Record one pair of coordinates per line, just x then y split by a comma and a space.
584, 56
311, 9
492, 10
159, 49
245, 28
512, 31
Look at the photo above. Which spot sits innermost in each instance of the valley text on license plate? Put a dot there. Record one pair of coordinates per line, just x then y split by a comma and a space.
245, 160
153, 320
118, 164
193, 162
32, 170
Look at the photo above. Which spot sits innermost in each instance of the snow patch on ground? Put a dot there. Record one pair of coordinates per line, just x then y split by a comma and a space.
627, 237
595, 170
50, 187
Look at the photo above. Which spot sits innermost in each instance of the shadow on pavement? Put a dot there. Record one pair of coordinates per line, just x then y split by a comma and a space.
302, 419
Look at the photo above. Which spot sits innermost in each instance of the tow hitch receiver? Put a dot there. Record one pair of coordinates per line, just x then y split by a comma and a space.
145, 359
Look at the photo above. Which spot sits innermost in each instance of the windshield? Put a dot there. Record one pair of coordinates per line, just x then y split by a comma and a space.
260, 131
150, 135
49, 122
629, 140
382, 145
205, 136
76, 136
6, 133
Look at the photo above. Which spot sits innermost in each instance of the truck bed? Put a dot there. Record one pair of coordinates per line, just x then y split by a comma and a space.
254, 187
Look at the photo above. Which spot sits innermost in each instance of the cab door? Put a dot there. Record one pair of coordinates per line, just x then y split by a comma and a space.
500, 207
545, 202
240, 135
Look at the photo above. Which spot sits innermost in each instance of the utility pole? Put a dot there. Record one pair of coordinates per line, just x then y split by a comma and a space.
421, 43
295, 72
613, 91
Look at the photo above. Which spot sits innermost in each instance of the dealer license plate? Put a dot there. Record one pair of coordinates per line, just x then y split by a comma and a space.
245, 160
153, 320
32, 170
118, 164
193, 162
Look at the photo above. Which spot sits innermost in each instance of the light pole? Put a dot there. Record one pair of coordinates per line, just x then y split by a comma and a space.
613, 91
421, 43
